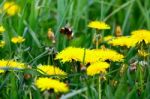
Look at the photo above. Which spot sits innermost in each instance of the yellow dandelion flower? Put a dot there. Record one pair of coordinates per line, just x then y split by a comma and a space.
103, 55
51, 84
17, 39
51, 70
108, 38
2, 71
123, 41
98, 25
140, 35
2, 43
71, 53
11, 64
11, 8
89, 56
2, 29
109, 54
97, 68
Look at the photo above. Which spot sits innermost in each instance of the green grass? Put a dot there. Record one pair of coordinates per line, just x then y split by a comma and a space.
33, 22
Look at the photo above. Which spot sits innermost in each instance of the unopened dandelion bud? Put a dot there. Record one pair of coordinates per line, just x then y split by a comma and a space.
102, 77
114, 82
27, 76
123, 69
51, 35
118, 31
97, 39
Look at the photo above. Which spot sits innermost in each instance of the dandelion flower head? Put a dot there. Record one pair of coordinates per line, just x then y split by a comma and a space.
1, 71
71, 53
17, 39
2, 43
51, 70
2, 29
97, 68
103, 55
140, 35
123, 41
11, 8
89, 56
98, 25
51, 84
11, 64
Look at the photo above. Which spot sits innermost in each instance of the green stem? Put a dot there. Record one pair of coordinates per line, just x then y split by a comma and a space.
84, 56
30, 95
97, 38
97, 43
99, 88
38, 57
48, 60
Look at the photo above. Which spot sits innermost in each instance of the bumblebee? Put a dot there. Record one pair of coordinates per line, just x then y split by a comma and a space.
67, 31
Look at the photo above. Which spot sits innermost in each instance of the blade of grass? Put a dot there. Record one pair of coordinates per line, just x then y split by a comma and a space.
73, 93
118, 9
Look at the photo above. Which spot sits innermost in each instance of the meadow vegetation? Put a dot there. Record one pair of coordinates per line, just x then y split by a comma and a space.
74, 49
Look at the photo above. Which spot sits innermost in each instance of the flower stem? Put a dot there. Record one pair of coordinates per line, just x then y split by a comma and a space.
99, 88
97, 43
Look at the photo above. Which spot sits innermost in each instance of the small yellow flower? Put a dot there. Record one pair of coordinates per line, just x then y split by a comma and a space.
51, 84
1, 71
97, 68
11, 64
18, 39
98, 25
2, 29
50, 70
11, 8
2, 43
